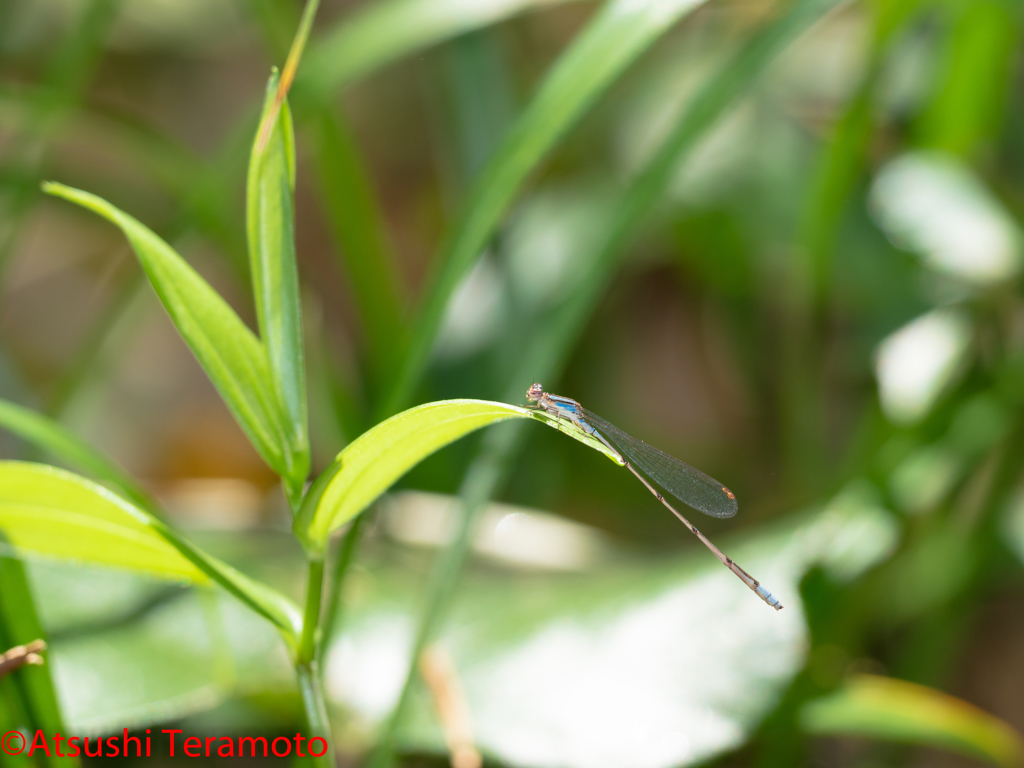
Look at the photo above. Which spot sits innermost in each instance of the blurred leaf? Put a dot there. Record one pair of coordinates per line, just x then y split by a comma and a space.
356, 223
968, 106
920, 482
270, 223
54, 438
1013, 526
895, 710
612, 40
638, 662
183, 656
69, 70
231, 355
934, 205
369, 465
31, 702
918, 363
57, 514
842, 161
382, 32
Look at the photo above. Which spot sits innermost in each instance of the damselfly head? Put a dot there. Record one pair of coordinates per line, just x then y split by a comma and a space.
534, 393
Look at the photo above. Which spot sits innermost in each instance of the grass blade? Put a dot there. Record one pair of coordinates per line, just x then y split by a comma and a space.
231, 355
55, 439
291, 65
68, 74
895, 710
28, 697
270, 224
58, 514
380, 33
612, 41
357, 227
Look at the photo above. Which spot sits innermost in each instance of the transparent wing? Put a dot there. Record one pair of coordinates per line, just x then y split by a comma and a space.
689, 485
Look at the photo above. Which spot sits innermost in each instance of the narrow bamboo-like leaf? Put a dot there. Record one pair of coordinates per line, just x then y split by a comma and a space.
51, 512
52, 437
369, 465
620, 32
275, 278
231, 355
382, 32
895, 710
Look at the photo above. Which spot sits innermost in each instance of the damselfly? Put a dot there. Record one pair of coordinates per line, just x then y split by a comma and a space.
689, 485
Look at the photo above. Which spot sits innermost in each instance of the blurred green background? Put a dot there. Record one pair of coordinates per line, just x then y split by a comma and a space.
781, 241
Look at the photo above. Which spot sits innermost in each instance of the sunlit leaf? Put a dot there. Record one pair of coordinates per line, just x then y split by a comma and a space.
50, 512
270, 221
54, 438
895, 710
373, 462
231, 355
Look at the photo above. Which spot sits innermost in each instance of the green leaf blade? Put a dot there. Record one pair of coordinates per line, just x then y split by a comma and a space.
53, 513
270, 227
231, 355
383, 32
369, 465
895, 710
30, 700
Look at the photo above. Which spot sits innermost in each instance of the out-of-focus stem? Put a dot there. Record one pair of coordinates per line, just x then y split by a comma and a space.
306, 669
342, 564
316, 712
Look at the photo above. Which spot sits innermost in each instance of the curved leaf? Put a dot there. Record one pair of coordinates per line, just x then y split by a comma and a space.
230, 354
51, 436
275, 278
370, 464
613, 40
895, 710
58, 514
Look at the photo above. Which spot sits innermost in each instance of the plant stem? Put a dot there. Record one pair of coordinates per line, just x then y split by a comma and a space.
306, 669
316, 711
306, 652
